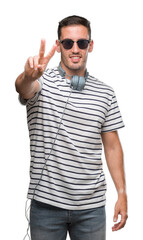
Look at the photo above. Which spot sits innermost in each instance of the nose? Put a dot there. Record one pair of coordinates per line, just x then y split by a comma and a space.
75, 48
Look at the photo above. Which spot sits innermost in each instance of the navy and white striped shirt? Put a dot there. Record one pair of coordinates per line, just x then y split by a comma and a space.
65, 141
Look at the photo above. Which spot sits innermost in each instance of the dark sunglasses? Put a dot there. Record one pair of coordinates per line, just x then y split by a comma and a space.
68, 43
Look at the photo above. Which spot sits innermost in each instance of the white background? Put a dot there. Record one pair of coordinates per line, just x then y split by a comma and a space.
117, 59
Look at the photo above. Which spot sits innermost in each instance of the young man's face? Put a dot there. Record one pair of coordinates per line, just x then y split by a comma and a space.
73, 60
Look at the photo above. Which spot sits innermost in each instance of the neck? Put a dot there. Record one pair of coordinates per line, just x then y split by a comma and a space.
71, 72
63, 73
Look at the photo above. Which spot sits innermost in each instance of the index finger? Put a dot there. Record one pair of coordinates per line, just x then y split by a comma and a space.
121, 224
42, 48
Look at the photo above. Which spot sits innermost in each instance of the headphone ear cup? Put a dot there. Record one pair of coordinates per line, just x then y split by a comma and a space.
74, 82
77, 83
81, 83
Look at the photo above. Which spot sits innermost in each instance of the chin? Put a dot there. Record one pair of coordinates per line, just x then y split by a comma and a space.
75, 66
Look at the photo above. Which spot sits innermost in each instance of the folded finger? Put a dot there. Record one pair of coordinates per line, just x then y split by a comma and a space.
35, 62
30, 62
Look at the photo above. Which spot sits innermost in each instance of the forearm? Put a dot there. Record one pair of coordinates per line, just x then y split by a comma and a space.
115, 162
114, 158
26, 87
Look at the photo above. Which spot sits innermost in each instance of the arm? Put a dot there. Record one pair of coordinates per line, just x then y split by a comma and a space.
26, 84
114, 158
26, 87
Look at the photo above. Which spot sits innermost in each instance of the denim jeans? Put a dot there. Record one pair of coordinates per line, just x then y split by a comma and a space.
51, 223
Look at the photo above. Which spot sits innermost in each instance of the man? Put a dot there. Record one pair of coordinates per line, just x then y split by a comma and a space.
70, 114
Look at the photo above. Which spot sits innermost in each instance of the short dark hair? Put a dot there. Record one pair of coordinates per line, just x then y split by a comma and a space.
74, 20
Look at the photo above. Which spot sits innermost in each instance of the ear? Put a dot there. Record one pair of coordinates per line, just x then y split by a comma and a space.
58, 46
91, 46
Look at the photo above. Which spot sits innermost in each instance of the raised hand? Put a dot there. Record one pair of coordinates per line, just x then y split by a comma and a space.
36, 65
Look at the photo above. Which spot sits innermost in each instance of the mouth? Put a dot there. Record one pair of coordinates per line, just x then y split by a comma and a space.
75, 59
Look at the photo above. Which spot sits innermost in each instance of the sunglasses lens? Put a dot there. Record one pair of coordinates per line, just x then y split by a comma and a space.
83, 43
67, 43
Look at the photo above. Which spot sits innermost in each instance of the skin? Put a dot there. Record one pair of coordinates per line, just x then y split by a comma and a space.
26, 84
114, 157
73, 61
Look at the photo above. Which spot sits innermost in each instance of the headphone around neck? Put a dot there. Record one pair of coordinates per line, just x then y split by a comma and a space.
76, 82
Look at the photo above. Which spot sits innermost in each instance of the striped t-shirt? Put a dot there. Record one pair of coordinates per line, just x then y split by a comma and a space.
65, 129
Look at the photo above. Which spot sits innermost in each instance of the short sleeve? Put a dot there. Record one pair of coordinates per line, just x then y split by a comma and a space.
113, 119
34, 99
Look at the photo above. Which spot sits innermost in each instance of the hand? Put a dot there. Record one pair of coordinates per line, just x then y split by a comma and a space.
120, 208
35, 66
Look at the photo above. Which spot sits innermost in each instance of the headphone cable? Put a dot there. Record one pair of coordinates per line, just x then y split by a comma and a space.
46, 159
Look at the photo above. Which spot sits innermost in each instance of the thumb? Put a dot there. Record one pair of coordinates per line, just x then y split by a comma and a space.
115, 218
41, 68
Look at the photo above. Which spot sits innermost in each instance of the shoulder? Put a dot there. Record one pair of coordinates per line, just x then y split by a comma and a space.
99, 85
